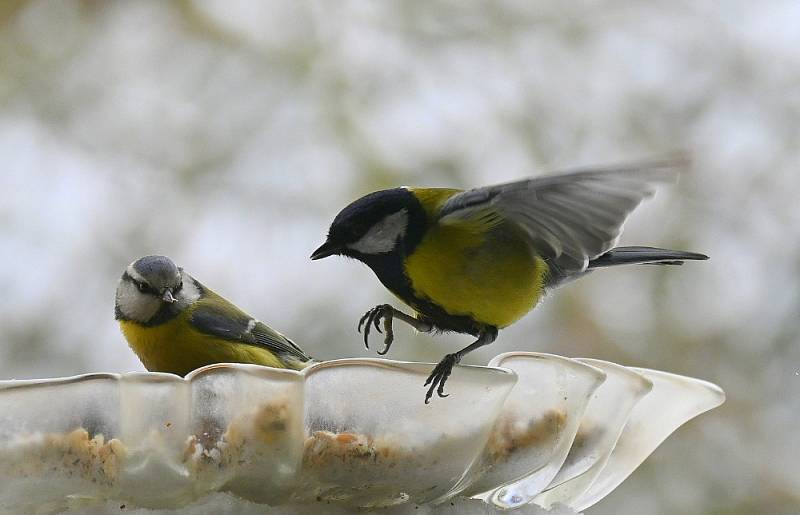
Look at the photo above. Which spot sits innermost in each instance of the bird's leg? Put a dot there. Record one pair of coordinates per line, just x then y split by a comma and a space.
442, 371
388, 314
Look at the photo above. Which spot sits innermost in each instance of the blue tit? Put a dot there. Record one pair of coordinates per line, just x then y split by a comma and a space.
476, 261
175, 324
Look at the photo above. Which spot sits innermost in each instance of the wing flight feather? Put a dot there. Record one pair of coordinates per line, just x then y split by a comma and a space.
571, 217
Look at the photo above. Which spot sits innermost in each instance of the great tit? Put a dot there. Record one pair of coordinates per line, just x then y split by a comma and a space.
476, 261
175, 324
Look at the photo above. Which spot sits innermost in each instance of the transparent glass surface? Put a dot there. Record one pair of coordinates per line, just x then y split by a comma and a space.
59, 437
536, 426
673, 401
354, 433
246, 431
600, 428
156, 440
371, 441
155, 420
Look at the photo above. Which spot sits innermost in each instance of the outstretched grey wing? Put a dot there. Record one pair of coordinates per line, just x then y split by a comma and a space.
570, 217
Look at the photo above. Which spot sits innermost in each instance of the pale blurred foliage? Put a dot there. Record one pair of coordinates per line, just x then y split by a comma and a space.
227, 135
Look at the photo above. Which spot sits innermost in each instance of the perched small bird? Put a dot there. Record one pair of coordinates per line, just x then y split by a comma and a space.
175, 324
476, 261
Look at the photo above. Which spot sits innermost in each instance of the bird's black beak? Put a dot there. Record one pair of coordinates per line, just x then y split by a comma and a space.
326, 249
167, 296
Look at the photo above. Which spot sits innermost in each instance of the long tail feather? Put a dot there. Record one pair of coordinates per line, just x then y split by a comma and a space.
644, 256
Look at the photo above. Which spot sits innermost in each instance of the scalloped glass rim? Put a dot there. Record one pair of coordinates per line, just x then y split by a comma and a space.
486, 393
673, 401
610, 408
412, 366
566, 386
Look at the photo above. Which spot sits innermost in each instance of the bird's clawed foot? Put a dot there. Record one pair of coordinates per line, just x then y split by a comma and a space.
439, 376
372, 318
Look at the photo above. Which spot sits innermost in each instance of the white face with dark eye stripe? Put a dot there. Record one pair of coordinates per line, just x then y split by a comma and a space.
384, 235
133, 304
142, 289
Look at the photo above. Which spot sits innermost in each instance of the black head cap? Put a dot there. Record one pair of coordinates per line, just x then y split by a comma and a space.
354, 221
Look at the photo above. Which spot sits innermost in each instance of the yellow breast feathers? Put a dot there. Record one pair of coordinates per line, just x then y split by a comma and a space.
491, 275
178, 348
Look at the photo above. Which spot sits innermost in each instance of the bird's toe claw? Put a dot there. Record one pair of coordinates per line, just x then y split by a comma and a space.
439, 376
387, 343
372, 318
362, 319
389, 338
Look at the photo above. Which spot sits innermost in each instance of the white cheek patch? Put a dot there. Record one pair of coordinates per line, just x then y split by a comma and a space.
142, 307
189, 292
382, 237
135, 305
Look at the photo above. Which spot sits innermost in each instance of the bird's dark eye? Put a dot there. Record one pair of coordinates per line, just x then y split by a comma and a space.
177, 288
144, 287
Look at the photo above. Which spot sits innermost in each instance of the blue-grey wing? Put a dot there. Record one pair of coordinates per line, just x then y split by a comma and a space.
226, 321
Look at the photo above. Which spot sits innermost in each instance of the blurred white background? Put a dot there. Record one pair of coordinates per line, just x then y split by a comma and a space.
227, 134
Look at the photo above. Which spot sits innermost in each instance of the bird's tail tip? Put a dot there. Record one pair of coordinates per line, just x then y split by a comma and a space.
645, 256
